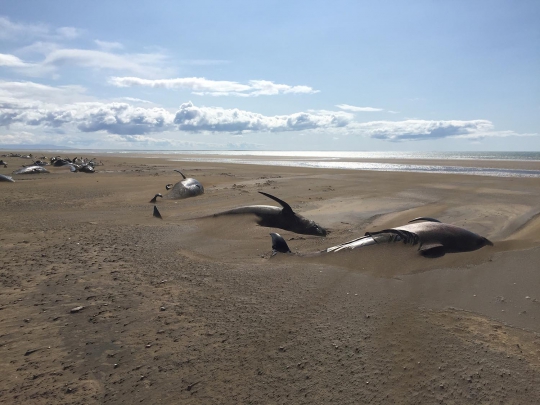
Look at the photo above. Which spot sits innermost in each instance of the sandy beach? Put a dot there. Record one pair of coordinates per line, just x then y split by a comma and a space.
193, 309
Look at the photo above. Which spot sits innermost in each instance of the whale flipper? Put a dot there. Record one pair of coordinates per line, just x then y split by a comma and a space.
432, 250
156, 213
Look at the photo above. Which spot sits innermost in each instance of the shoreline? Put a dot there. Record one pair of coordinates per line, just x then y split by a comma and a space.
521, 165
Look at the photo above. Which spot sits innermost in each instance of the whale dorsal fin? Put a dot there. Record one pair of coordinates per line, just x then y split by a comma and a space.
156, 213
424, 219
279, 244
286, 207
176, 170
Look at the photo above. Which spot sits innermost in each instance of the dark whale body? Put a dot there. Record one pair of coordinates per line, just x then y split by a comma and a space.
275, 217
434, 239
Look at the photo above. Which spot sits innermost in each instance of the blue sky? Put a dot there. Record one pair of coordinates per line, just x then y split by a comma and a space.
303, 75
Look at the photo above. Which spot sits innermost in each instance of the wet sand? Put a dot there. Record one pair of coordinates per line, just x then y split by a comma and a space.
193, 309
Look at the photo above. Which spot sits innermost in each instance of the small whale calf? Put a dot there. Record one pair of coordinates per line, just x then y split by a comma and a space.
276, 217
434, 239
186, 188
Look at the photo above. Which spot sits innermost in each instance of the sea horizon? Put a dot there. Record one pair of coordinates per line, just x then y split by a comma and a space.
330, 154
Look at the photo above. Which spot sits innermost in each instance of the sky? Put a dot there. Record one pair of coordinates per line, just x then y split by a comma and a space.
271, 75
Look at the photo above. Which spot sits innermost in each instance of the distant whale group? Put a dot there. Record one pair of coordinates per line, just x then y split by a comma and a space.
78, 164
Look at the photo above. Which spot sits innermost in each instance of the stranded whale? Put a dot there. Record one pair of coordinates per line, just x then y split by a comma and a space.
31, 170
3, 177
434, 239
275, 217
184, 189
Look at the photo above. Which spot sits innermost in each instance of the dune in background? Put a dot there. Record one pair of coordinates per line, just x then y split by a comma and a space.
194, 309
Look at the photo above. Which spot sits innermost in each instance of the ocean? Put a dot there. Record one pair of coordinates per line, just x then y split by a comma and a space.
357, 161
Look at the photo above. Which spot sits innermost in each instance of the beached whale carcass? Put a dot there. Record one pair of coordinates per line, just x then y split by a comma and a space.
434, 239
31, 170
5, 178
186, 188
276, 217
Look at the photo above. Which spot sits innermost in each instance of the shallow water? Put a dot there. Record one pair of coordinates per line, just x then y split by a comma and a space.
374, 166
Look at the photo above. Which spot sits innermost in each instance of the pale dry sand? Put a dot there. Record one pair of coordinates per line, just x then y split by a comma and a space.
194, 310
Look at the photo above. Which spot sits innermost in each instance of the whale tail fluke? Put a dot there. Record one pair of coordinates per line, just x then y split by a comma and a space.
156, 213
279, 244
153, 200
178, 171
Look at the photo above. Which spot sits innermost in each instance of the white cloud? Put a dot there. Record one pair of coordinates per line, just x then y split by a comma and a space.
123, 119
10, 30
265, 88
15, 31
144, 64
12, 61
28, 106
35, 93
137, 63
191, 83
16, 138
136, 100
39, 47
108, 46
203, 86
68, 32
357, 109
217, 119
416, 130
